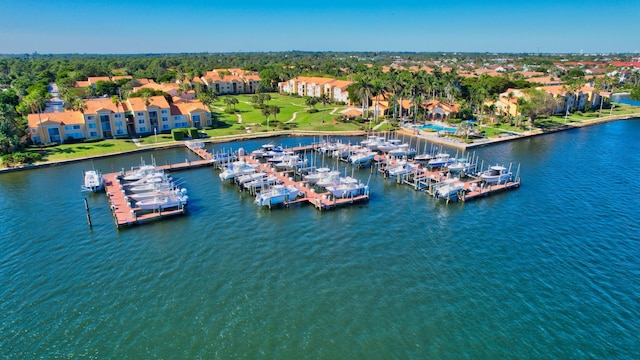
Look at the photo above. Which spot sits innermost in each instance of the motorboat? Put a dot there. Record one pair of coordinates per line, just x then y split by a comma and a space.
348, 187
496, 175
391, 144
93, 181
328, 178
449, 189
319, 174
424, 158
403, 150
169, 185
222, 158
162, 202
242, 179
440, 160
155, 177
156, 193
260, 183
291, 162
460, 165
402, 168
362, 157
237, 168
139, 173
277, 194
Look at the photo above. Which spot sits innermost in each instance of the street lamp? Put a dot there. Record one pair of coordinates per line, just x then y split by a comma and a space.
155, 133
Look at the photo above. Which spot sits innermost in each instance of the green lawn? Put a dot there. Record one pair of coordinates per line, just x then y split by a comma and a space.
74, 151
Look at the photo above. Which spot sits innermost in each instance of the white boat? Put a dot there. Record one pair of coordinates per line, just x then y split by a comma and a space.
277, 194
373, 142
237, 168
93, 181
496, 175
260, 183
441, 159
155, 177
242, 179
169, 185
391, 144
162, 202
424, 158
222, 158
403, 150
156, 193
348, 187
291, 162
319, 174
449, 189
402, 168
139, 173
362, 157
328, 178
460, 165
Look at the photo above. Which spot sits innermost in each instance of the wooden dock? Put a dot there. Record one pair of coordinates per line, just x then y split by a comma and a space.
321, 201
123, 213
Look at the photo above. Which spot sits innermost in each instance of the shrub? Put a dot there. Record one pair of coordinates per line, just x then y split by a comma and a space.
311, 111
178, 134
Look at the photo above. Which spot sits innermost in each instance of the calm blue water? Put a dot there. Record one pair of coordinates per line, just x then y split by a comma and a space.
624, 99
547, 271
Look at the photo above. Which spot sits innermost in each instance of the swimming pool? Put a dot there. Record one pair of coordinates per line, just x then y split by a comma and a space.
432, 127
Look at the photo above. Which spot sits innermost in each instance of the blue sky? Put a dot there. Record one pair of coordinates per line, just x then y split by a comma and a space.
119, 26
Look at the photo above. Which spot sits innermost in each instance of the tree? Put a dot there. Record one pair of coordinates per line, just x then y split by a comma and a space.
362, 88
266, 111
539, 103
116, 101
635, 93
324, 99
311, 102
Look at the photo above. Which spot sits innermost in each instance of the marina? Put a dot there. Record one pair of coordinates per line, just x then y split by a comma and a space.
279, 176
231, 279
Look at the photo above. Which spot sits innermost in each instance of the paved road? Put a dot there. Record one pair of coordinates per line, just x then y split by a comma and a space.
55, 103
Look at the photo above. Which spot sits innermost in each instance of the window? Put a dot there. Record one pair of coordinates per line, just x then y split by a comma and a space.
76, 127
195, 117
165, 127
140, 121
119, 123
140, 114
119, 132
117, 116
164, 112
93, 134
91, 125
165, 119
143, 129
90, 117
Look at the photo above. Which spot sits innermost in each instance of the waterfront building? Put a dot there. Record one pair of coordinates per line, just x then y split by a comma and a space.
337, 90
103, 119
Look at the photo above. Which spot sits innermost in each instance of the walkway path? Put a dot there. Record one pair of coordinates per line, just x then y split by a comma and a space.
293, 117
333, 111
379, 125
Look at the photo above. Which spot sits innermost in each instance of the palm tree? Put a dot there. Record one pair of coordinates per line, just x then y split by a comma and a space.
228, 101
266, 111
363, 88
275, 110
34, 102
146, 97
116, 101
79, 105
324, 99
311, 102
234, 102
184, 87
